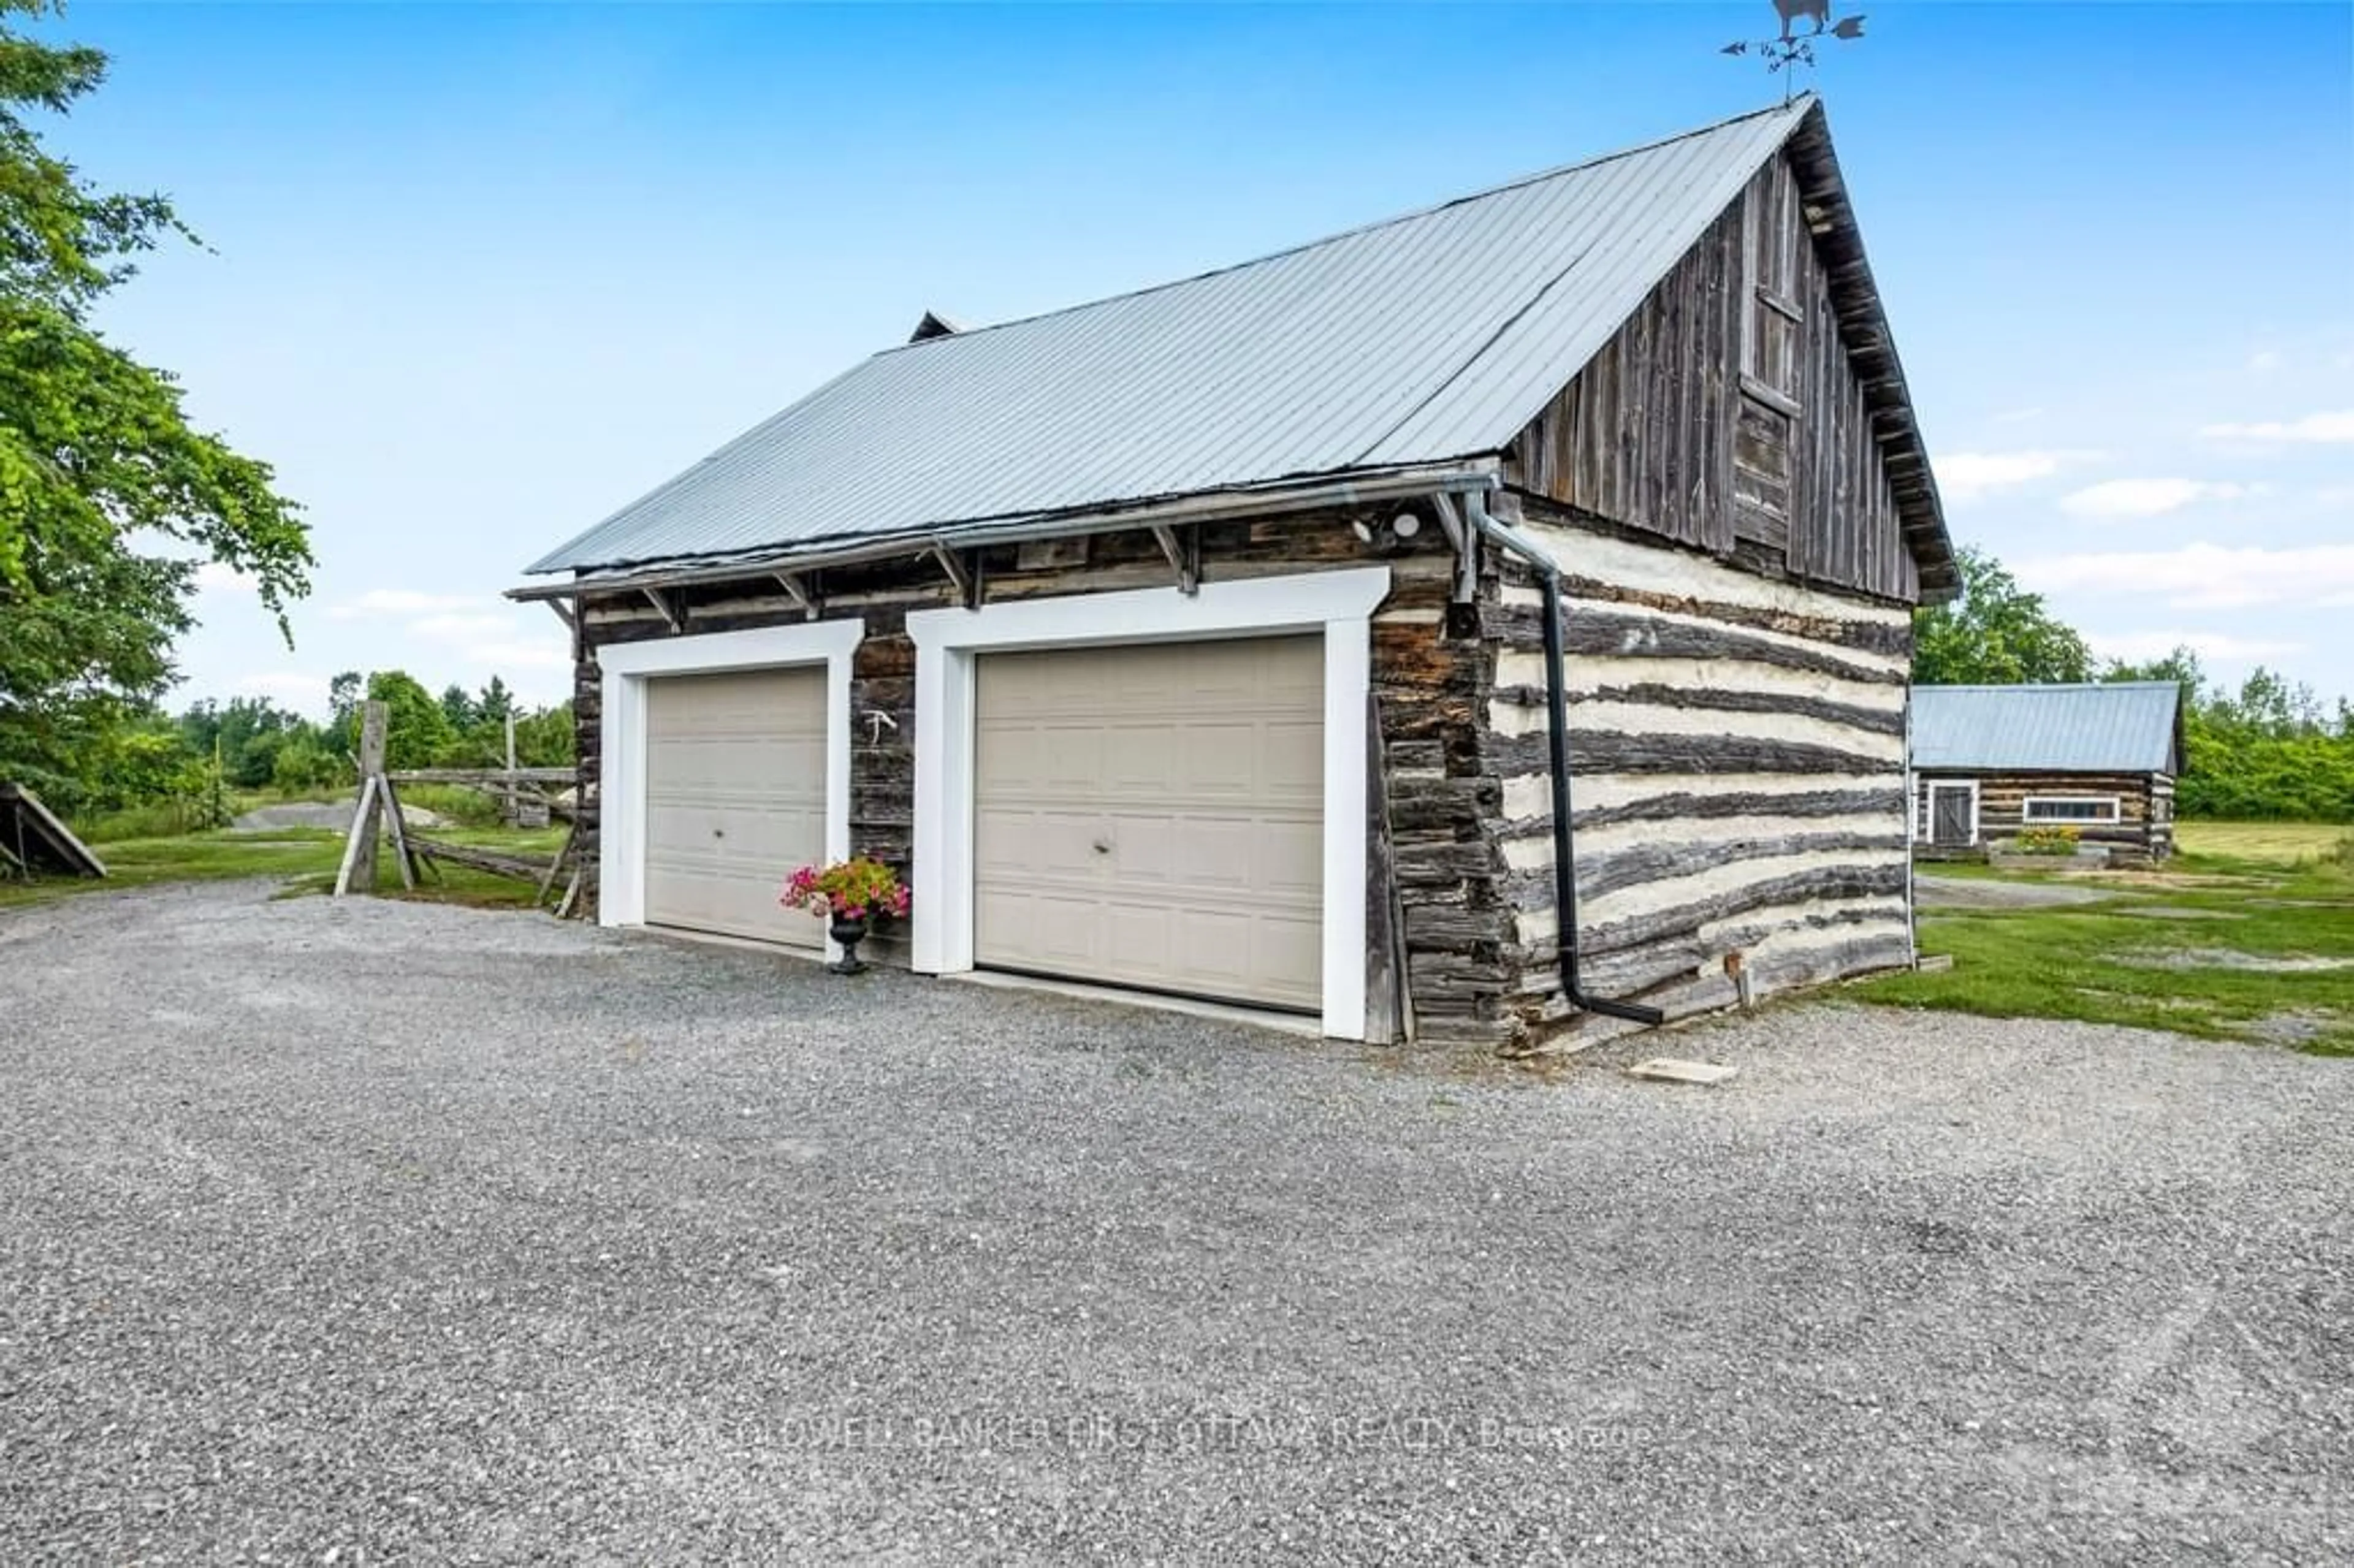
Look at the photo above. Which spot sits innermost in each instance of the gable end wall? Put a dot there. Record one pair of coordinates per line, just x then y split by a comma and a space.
1658, 434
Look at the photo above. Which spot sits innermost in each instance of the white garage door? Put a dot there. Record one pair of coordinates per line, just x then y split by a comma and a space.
1152, 816
735, 800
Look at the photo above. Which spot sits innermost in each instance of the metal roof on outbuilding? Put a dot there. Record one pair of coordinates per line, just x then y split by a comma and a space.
1426, 339
2124, 727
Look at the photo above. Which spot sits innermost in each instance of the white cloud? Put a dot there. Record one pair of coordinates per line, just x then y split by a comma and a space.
2119, 498
2018, 416
2203, 577
296, 689
2136, 646
2333, 427
405, 601
505, 656
213, 577
462, 628
2264, 361
1966, 476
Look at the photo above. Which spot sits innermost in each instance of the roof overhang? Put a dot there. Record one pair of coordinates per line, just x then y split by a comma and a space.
1319, 492
1863, 328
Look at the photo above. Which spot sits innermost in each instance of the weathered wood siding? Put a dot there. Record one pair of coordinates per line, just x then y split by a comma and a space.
1737, 748
1728, 413
2144, 825
1430, 688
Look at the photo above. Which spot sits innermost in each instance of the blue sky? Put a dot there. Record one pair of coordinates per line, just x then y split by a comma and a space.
479, 274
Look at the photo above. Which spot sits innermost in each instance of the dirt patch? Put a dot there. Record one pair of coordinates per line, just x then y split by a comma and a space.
2157, 879
331, 815
2297, 1026
1972, 892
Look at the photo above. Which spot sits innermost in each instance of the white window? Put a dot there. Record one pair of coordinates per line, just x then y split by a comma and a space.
2069, 808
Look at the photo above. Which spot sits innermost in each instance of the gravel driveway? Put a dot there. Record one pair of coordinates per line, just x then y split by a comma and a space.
362, 1230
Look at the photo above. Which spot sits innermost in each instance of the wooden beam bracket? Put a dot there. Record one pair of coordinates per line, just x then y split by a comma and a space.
963, 571
798, 592
564, 612
1466, 541
672, 608
1183, 548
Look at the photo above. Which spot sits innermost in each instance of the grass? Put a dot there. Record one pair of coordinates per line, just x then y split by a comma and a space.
303, 860
2175, 950
191, 857
2272, 844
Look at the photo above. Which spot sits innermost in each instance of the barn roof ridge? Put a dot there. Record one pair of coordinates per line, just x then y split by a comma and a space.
1429, 210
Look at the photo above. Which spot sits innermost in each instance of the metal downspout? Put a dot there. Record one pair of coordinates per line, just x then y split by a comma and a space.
1565, 866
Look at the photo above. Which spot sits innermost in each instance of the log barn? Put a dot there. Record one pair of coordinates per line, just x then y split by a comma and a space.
1990, 762
1454, 631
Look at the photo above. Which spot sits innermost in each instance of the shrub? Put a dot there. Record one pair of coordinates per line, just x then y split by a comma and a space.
2047, 840
473, 807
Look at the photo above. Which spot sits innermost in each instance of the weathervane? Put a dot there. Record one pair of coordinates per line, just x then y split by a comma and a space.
1796, 48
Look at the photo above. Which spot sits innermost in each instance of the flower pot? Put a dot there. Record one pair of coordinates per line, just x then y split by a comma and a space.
849, 934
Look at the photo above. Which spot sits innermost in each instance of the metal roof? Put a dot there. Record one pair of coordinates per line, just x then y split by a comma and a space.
2124, 727
1425, 339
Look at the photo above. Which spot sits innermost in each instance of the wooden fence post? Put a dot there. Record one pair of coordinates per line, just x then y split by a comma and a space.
374, 718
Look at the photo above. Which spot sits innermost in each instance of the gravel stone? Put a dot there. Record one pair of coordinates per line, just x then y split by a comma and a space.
366, 1230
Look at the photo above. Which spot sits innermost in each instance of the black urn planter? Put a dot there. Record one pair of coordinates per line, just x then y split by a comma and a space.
849, 933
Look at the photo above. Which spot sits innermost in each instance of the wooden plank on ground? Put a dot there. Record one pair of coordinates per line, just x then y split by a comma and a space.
571, 837
1675, 1070
528, 868
26, 814
571, 891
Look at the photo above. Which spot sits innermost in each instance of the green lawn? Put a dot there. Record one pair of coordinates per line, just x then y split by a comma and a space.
2279, 842
2250, 936
303, 860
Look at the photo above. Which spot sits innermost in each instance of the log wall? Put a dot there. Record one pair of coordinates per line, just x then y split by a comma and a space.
2144, 829
1737, 749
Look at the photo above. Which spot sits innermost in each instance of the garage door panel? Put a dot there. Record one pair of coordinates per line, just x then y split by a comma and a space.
734, 800
756, 768
1152, 816
1292, 757
1013, 843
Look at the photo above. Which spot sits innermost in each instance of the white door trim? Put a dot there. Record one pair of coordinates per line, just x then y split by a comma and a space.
622, 781
1339, 604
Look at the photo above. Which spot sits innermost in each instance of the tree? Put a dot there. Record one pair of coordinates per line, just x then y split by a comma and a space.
459, 708
417, 731
1997, 633
496, 703
545, 737
98, 461
2267, 750
343, 705
247, 732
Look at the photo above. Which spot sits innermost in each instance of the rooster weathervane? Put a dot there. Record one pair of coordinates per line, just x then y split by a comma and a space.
1792, 47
